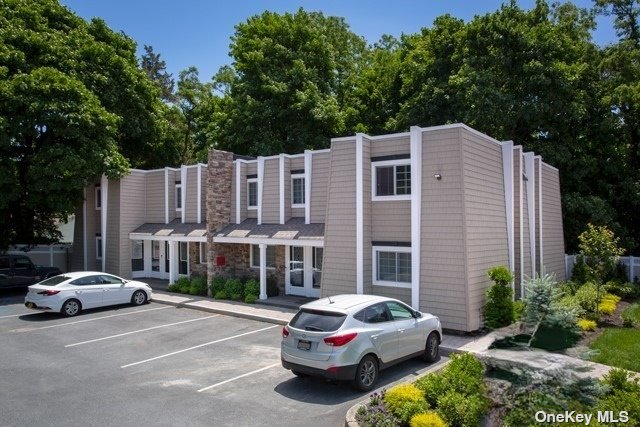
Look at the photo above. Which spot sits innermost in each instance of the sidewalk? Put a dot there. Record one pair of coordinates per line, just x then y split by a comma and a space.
282, 316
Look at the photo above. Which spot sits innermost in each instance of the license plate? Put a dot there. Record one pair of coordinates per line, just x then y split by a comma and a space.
304, 345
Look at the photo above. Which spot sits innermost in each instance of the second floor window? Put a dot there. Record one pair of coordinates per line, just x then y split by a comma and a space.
98, 198
297, 190
392, 180
178, 197
252, 193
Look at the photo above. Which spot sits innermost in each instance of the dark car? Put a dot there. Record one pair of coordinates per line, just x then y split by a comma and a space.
18, 271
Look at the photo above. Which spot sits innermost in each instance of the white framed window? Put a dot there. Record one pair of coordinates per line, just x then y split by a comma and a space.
392, 266
98, 247
252, 193
255, 256
202, 250
98, 198
178, 197
297, 191
391, 180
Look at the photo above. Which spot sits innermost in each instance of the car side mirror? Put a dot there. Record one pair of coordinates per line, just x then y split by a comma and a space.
417, 314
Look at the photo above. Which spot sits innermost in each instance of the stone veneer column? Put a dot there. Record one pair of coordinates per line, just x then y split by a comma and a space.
218, 199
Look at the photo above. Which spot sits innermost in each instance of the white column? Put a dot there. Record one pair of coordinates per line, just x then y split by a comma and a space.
282, 219
359, 217
84, 231
507, 172
199, 196
531, 189
263, 271
260, 182
308, 270
104, 192
183, 192
173, 272
287, 272
237, 163
539, 177
307, 185
416, 213
166, 195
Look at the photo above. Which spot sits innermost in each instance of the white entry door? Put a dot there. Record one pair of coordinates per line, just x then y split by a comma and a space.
159, 260
299, 276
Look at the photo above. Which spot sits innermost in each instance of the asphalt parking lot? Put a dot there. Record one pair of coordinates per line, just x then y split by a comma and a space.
158, 365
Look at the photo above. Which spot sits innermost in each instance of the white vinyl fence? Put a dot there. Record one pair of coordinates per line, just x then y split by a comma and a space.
58, 255
631, 264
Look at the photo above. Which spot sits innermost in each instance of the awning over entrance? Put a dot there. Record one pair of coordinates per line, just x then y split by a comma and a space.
175, 230
293, 232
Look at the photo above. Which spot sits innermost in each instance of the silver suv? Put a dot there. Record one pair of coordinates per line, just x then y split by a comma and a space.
353, 337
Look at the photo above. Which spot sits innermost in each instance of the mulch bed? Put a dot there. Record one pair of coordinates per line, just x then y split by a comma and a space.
612, 320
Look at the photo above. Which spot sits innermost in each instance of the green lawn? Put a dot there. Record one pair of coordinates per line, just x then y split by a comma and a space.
618, 347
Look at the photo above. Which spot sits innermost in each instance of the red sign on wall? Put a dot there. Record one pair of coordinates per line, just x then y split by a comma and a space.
220, 261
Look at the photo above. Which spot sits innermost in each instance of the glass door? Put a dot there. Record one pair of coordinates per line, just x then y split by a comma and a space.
304, 271
296, 266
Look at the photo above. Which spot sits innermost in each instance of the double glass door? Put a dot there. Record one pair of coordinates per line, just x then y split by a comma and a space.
304, 270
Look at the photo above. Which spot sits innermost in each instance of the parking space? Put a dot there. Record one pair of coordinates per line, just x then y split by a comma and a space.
159, 365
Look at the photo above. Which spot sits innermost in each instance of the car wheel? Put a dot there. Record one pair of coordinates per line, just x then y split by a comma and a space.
366, 373
431, 348
138, 298
71, 307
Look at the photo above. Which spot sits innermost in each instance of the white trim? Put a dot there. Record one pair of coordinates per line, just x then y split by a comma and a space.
166, 195
374, 267
359, 215
104, 183
281, 189
84, 231
173, 273
416, 213
150, 237
98, 197
539, 174
175, 198
238, 167
308, 164
507, 172
299, 205
251, 258
266, 240
531, 188
199, 197
394, 163
251, 208
260, 187
183, 193
263, 271
521, 219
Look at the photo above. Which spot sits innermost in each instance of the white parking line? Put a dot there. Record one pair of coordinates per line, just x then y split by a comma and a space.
238, 377
17, 315
141, 330
198, 346
89, 320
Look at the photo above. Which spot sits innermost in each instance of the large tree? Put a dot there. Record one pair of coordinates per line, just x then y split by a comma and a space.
291, 80
74, 104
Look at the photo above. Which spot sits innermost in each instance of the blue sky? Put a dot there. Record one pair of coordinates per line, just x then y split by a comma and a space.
197, 32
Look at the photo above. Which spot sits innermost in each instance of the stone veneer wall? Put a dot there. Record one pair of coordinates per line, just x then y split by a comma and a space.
195, 267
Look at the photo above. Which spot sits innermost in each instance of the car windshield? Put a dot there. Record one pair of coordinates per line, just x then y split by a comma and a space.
52, 281
318, 321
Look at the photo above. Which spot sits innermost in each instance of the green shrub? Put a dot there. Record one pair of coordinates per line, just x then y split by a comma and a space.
599, 247
272, 287
587, 325
571, 302
608, 304
183, 284
198, 286
221, 295
498, 308
174, 287
233, 287
250, 299
623, 395
631, 316
236, 297
580, 273
518, 309
587, 297
569, 287
217, 284
252, 286
427, 419
459, 410
405, 401
622, 289
375, 413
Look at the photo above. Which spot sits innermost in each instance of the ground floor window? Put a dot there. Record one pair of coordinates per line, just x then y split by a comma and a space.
202, 250
98, 247
255, 256
137, 255
317, 266
183, 256
392, 266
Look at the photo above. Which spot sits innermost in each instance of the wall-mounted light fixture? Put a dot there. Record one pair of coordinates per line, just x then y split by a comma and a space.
437, 176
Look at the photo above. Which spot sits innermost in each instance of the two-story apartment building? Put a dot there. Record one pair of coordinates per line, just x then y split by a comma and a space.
420, 216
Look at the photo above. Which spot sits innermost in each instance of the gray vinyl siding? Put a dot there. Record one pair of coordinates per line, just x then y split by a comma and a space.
485, 217
155, 196
339, 270
526, 238
319, 180
250, 169
367, 223
173, 177
271, 192
297, 162
232, 215
112, 250
517, 209
296, 212
203, 193
391, 220
390, 146
552, 232
442, 264
537, 206
191, 192
403, 294
132, 214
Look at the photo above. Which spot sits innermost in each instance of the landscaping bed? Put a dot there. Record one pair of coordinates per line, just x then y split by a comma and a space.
246, 290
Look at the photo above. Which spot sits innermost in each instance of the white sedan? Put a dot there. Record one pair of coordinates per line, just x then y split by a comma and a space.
69, 293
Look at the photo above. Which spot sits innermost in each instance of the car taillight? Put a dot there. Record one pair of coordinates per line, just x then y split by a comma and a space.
48, 293
338, 340
285, 332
